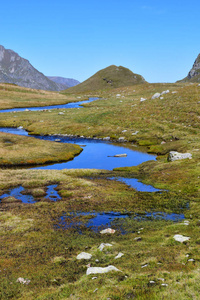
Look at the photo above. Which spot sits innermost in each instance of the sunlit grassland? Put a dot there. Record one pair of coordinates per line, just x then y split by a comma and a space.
13, 96
32, 248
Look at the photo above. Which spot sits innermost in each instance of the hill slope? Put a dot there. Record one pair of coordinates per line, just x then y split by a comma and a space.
110, 77
17, 70
194, 74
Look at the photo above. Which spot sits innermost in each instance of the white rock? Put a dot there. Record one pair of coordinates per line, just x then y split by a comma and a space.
156, 95
186, 222
174, 155
119, 255
23, 281
134, 133
103, 245
107, 230
151, 282
84, 255
99, 270
165, 92
142, 99
174, 92
191, 259
20, 127
107, 138
61, 113
144, 266
180, 238
120, 155
161, 98
164, 284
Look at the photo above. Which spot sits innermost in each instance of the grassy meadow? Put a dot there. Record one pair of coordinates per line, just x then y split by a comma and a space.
154, 265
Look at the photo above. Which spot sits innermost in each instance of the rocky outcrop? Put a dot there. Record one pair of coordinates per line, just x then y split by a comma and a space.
194, 73
17, 70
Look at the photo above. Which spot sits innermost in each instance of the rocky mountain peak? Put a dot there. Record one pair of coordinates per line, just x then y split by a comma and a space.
195, 68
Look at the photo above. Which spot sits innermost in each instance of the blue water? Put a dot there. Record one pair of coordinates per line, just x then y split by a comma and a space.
102, 220
16, 192
96, 154
137, 185
68, 105
51, 194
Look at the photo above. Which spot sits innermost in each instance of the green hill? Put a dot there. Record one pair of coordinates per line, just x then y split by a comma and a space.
194, 74
110, 77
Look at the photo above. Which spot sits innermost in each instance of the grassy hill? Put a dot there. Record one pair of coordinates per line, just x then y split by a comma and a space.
110, 77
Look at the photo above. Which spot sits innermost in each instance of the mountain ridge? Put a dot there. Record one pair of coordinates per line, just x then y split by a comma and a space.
15, 69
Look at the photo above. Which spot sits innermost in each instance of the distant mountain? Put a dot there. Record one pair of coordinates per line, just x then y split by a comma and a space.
17, 70
110, 77
64, 83
194, 74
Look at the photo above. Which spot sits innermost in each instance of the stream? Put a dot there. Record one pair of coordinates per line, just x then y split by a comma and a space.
96, 154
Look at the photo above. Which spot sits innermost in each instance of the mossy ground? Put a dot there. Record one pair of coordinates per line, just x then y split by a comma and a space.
32, 247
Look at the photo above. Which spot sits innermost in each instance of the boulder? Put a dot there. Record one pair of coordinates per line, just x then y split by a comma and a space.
84, 255
119, 255
99, 270
103, 245
107, 230
174, 155
180, 238
156, 95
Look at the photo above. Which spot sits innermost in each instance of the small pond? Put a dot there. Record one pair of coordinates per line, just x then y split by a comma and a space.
97, 221
17, 193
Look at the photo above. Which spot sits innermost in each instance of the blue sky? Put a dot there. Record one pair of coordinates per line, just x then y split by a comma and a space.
157, 39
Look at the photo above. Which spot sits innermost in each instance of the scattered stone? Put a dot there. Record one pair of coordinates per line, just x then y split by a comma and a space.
120, 155
174, 92
186, 222
107, 138
124, 130
99, 270
161, 279
107, 230
164, 284
94, 278
187, 255
134, 133
165, 92
161, 98
23, 281
163, 142
156, 95
174, 155
20, 127
61, 113
142, 99
191, 259
95, 290
121, 139
84, 255
57, 140
180, 238
119, 255
103, 245
144, 266
138, 239
118, 95
151, 282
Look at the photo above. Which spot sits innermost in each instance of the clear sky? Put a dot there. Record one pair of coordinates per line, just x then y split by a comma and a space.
159, 39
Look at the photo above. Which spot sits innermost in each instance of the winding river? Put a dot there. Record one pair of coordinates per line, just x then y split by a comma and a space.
96, 154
